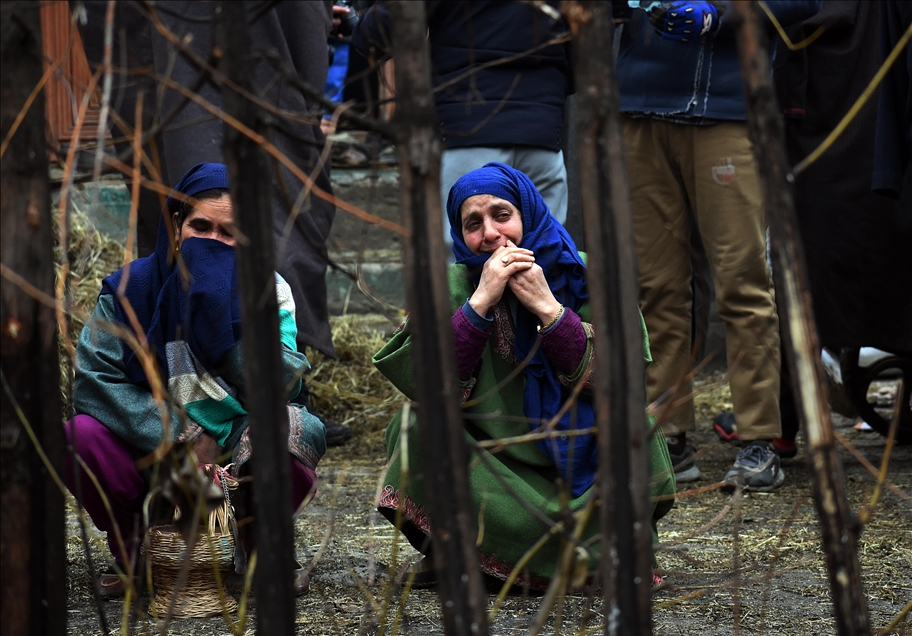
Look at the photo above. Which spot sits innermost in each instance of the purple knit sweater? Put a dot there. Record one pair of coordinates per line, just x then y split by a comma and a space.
564, 343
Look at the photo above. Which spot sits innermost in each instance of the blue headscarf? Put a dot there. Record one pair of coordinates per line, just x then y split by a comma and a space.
556, 253
199, 303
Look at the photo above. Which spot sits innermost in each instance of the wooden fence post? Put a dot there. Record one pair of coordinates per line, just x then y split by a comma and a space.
33, 585
839, 526
251, 188
439, 419
619, 388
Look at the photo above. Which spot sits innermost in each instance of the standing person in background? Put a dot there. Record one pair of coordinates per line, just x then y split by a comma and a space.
511, 111
690, 158
856, 243
298, 31
344, 20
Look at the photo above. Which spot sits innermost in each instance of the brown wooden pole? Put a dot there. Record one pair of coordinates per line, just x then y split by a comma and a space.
440, 423
838, 525
33, 581
251, 188
619, 388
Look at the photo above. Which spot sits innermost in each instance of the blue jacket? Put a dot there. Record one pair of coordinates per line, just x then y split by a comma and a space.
518, 103
689, 79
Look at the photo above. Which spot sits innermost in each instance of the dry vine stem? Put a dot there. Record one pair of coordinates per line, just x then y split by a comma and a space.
839, 527
623, 479
251, 195
439, 419
33, 586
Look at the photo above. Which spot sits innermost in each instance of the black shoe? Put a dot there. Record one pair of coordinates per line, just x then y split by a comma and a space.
420, 575
336, 434
685, 468
756, 468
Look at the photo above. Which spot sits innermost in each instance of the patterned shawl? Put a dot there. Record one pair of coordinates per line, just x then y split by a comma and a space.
189, 314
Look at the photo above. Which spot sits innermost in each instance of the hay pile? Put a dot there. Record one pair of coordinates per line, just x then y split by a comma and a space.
92, 256
349, 390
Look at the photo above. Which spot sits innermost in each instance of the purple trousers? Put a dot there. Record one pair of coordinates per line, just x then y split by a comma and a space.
112, 461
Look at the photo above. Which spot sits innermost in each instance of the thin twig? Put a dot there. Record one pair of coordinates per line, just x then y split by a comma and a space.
135, 185
785, 38
62, 219
871, 469
287, 162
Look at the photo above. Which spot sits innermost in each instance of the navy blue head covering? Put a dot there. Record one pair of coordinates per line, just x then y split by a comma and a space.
202, 308
565, 272
202, 176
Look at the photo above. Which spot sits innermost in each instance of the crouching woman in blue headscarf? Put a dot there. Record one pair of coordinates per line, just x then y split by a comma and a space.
523, 344
184, 300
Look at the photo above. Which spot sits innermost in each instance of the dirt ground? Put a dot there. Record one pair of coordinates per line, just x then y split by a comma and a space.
756, 569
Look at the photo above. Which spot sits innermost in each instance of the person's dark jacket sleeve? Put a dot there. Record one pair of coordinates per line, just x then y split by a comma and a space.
373, 35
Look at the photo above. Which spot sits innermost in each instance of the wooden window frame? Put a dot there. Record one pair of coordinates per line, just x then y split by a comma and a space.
66, 88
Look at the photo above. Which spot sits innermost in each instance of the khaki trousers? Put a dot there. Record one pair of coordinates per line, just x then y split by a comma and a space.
679, 172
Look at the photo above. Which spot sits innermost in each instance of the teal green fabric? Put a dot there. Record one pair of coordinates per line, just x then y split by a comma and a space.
212, 402
102, 390
218, 414
515, 493
288, 330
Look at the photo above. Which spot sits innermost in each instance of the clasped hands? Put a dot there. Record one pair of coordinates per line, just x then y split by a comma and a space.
515, 267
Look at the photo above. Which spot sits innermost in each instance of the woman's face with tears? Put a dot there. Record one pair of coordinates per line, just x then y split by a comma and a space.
488, 222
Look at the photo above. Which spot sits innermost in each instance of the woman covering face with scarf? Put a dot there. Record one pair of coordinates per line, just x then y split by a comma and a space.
185, 300
519, 296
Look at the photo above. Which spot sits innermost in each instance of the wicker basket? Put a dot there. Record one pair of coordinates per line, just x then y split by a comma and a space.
200, 595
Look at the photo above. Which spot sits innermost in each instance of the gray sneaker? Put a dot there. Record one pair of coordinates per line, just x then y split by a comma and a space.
685, 468
756, 468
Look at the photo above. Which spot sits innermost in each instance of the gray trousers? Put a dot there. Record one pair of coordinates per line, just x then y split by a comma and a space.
544, 167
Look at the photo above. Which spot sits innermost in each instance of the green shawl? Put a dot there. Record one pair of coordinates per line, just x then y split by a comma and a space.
515, 497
